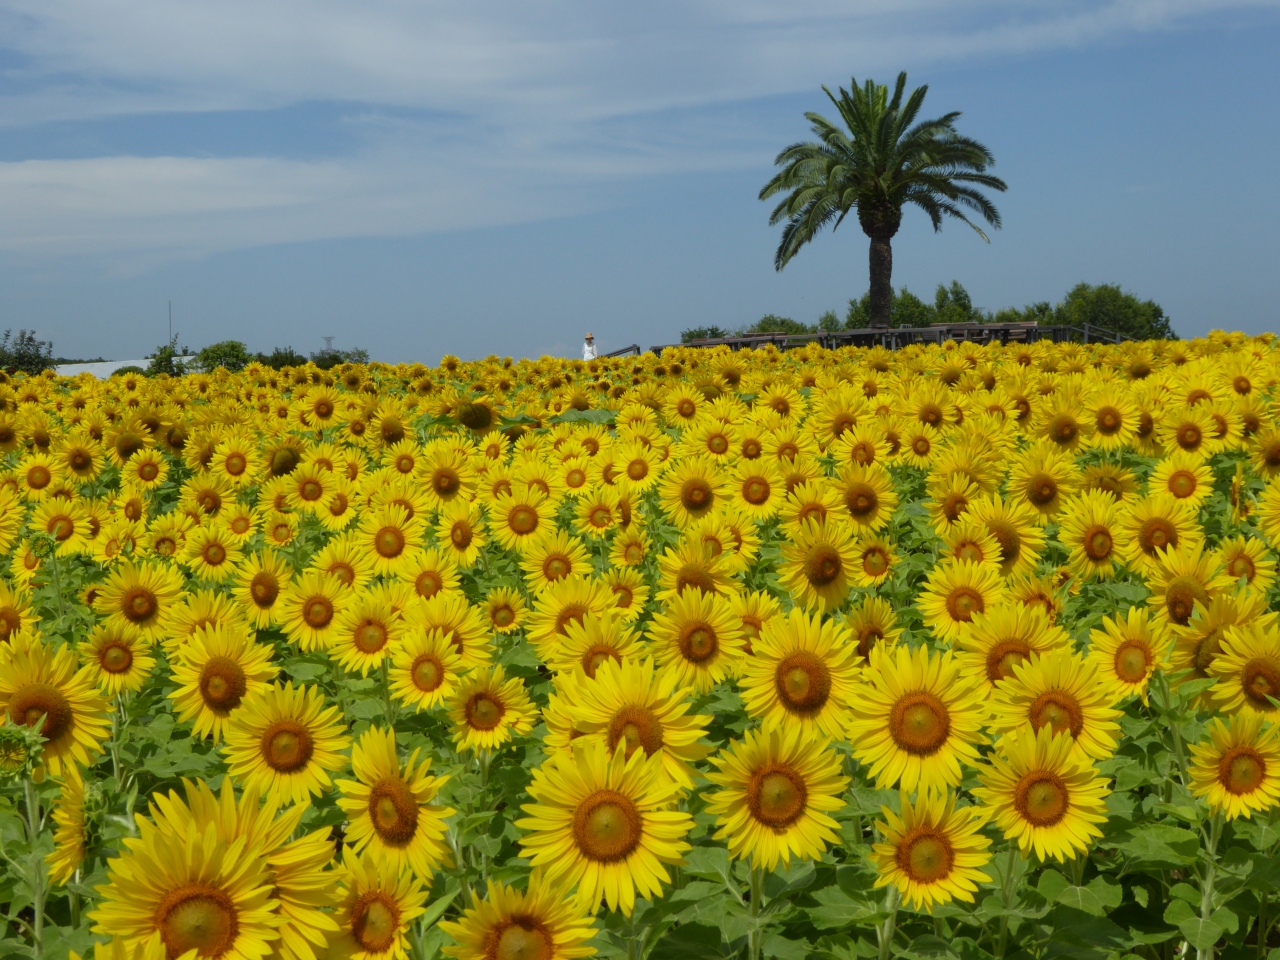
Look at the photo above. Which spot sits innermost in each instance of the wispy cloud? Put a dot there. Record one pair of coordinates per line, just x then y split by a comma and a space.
549, 102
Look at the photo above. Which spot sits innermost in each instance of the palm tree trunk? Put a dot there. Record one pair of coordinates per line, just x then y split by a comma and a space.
881, 261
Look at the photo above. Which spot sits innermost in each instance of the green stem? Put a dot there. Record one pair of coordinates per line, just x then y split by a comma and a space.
1262, 924
57, 583
75, 900
886, 930
1006, 894
755, 931
1210, 874
1179, 752
38, 891
388, 703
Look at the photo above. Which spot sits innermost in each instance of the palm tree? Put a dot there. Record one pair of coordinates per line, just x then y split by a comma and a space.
878, 166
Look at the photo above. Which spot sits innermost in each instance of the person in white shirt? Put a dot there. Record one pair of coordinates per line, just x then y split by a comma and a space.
589, 348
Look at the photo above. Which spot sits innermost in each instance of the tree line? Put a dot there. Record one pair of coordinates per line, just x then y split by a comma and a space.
1105, 305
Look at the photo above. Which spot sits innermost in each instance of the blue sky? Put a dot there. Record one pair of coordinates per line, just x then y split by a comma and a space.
421, 178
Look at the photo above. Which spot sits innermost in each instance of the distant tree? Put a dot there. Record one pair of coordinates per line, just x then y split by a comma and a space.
231, 354
329, 358
1107, 306
169, 359
882, 161
281, 357
129, 368
954, 305
1038, 312
25, 353
908, 311
772, 323
829, 321
712, 332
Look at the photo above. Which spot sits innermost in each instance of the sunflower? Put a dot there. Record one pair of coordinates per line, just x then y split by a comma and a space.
390, 814
1062, 422
66, 521
15, 612
118, 657
696, 637
1184, 476
694, 564
241, 521
956, 592
598, 511
515, 518
638, 467
1248, 670
487, 710
919, 443
425, 668
69, 829
504, 608
211, 553
867, 495
139, 594
1088, 527
1015, 527
1044, 794
1119, 483
1199, 643
630, 592
552, 556
260, 582
460, 528
1042, 477
214, 899
365, 634
777, 791
691, 489
538, 924
949, 499
811, 501
1246, 561
629, 704
390, 538
968, 540
1005, 635
309, 608
432, 571
377, 910
283, 743
916, 719
604, 825
42, 689
933, 853
216, 669
758, 488
462, 623
565, 601
802, 673
1237, 767
200, 608
1064, 691
818, 563
1183, 577
596, 638
1129, 649
1152, 525
237, 458
1189, 429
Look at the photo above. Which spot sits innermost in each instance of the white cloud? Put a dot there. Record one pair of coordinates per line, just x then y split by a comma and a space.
549, 101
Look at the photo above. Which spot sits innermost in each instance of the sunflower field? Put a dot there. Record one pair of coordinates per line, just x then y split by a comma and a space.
954, 653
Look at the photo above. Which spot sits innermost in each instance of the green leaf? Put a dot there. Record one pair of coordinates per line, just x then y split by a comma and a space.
1108, 892
1158, 844
709, 863
776, 945
927, 947
1178, 912
1083, 899
837, 910
689, 941
1201, 934
590, 416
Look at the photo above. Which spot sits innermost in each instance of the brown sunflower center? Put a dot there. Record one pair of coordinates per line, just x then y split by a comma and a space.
1241, 566
1097, 543
823, 565
861, 500
1042, 490
139, 605
698, 642
446, 482
1157, 533
1131, 661
1182, 483
32, 701
375, 922
370, 637
115, 657
595, 656
756, 491
556, 566
696, 495
317, 612
428, 583
1108, 421
1207, 650
197, 917
264, 588
963, 603
1004, 656
427, 672
520, 938
214, 554
607, 826
638, 469
1041, 798
522, 520
222, 684
776, 796
394, 811
1260, 679
389, 542
1063, 429
925, 855
803, 683
484, 711
461, 534
920, 723
1180, 598
875, 561
287, 746
637, 727
235, 464
1242, 770
1189, 436
1059, 710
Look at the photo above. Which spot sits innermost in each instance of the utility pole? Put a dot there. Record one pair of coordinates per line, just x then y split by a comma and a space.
328, 344
171, 321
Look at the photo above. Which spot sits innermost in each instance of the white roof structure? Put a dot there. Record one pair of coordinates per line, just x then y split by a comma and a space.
100, 370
